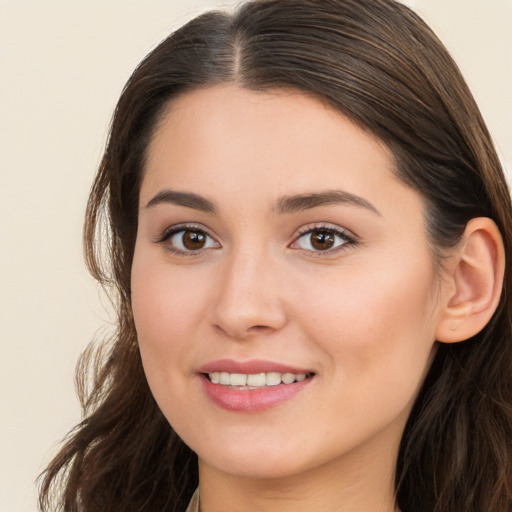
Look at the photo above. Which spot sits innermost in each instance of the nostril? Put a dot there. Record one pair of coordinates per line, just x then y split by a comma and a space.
260, 328
245, 332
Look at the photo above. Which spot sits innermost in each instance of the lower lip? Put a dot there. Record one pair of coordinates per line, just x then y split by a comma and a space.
251, 400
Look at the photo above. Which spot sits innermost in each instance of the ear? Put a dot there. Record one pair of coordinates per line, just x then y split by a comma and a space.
472, 288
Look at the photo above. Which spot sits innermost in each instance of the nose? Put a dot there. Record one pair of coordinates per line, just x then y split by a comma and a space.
249, 299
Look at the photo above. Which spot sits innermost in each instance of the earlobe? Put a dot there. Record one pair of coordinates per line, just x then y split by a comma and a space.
473, 287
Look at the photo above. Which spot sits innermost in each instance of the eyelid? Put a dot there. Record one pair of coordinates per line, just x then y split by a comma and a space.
170, 231
175, 228
338, 231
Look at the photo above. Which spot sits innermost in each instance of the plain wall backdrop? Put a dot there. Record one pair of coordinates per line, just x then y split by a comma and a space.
62, 67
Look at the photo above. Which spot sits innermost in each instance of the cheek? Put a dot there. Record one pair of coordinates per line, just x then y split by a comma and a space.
165, 307
164, 301
377, 333
379, 319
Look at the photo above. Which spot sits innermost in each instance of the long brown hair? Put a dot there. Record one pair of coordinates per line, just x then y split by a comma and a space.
379, 64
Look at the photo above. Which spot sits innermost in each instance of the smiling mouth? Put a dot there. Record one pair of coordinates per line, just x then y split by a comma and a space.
252, 381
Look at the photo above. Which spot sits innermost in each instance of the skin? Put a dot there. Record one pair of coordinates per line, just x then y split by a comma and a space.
362, 316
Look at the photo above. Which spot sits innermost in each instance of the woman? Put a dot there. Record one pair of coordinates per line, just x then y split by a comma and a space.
308, 228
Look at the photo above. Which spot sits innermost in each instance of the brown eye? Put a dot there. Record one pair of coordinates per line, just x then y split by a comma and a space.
193, 240
189, 240
322, 240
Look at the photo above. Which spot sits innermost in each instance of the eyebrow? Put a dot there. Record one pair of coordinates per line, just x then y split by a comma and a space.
297, 203
287, 204
187, 199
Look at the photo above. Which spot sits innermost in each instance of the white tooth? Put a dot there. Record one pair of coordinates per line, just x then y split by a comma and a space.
224, 378
256, 380
215, 377
288, 378
300, 376
238, 379
272, 379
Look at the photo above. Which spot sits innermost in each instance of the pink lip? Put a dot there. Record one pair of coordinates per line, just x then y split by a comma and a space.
251, 400
249, 367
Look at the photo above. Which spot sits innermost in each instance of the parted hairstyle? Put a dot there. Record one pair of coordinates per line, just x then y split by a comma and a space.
376, 62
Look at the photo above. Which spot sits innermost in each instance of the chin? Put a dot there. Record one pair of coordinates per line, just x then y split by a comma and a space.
259, 469
258, 462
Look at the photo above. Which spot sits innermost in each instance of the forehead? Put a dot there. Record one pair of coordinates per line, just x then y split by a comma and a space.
228, 141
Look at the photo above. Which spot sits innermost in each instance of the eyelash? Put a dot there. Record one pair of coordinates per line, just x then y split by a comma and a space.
348, 240
184, 228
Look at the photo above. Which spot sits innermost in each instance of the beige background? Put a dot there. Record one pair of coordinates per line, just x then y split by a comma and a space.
62, 67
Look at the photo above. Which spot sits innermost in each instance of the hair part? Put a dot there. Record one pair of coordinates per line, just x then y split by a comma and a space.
376, 62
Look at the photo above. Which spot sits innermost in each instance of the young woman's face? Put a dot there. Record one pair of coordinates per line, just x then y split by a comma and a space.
283, 288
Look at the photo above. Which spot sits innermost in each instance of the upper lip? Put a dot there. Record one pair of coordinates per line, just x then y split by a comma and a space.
249, 367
